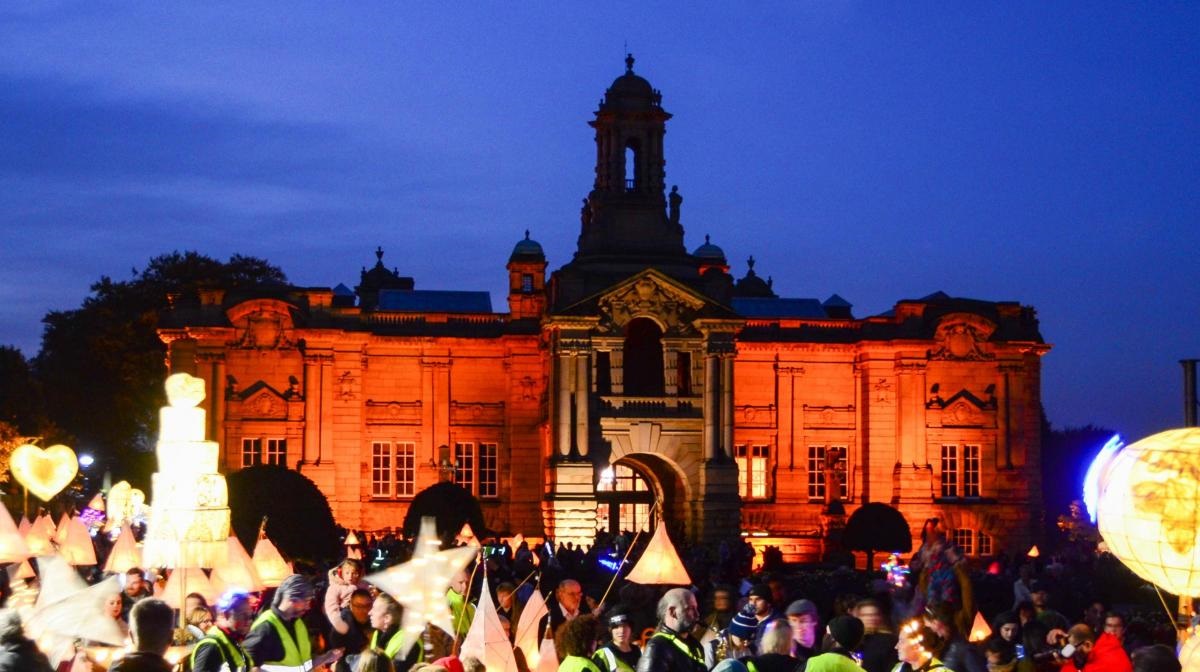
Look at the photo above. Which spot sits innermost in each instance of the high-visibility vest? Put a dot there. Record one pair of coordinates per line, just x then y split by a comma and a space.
697, 656
231, 652
577, 664
296, 650
392, 648
605, 656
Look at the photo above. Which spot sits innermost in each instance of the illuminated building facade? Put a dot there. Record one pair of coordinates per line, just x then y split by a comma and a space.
636, 373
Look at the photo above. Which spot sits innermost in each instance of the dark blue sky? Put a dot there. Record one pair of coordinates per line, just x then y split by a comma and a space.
1039, 152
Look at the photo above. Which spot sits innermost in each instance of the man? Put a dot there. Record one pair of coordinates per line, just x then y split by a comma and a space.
1114, 624
671, 648
724, 607
136, 588
18, 653
802, 617
1085, 651
567, 606
507, 606
619, 655
764, 610
1041, 607
879, 642
221, 649
152, 626
384, 620
461, 611
279, 636
351, 627
847, 633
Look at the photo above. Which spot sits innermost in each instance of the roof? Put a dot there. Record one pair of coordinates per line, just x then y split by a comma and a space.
776, 307
434, 301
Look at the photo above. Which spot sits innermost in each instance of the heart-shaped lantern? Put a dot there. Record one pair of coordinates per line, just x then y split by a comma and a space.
44, 472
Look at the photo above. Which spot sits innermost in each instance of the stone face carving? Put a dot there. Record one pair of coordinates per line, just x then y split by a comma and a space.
961, 336
648, 296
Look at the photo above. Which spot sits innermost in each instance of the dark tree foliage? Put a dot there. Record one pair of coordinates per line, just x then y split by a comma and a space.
299, 520
21, 401
1066, 455
102, 365
877, 527
451, 505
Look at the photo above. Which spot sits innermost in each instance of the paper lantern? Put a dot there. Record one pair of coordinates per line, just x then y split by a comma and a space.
271, 567
24, 571
125, 553
236, 570
69, 609
60, 532
24, 525
44, 472
97, 502
12, 545
1189, 655
185, 581
1033, 551
980, 630
486, 640
466, 536
1149, 509
77, 548
39, 537
526, 635
351, 539
660, 563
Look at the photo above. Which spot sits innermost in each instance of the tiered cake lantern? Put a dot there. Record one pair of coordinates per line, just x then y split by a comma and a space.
189, 520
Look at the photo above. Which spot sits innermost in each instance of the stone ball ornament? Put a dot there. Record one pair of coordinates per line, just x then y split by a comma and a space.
1148, 509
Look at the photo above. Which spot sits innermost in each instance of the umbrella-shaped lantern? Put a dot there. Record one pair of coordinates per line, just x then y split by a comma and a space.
660, 563
185, 581
486, 639
40, 535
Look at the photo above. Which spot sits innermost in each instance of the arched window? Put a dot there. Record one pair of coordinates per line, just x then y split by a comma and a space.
631, 166
643, 359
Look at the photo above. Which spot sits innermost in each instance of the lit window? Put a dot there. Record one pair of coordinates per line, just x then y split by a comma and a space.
816, 471
960, 470
752, 470
489, 473
406, 469
381, 469
251, 452
949, 471
965, 540
621, 478
478, 472
464, 465
276, 452
985, 544
393, 469
970, 471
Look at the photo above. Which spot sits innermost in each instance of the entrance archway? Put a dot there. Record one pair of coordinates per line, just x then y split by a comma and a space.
624, 500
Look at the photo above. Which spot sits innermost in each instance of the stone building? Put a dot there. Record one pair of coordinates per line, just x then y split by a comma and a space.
637, 377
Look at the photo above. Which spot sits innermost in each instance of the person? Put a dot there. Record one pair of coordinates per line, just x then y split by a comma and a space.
566, 606
279, 636
194, 601
735, 641
759, 598
878, 645
1007, 626
774, 648
152, 625
1041, 607
114, 605
724, 608
343, 581
847, 633
374, 660
576, 642
802, 617
199, 620
384, 619
1114, 624
136, 589
351, 629
671, 648
1097, 654
619, 655
507, 606
220, 649
1155, 658
957, 653
18, 653
916, 647
462, 612
1001, 655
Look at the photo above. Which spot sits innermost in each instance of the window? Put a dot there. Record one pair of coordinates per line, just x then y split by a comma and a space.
478, 472
816, 471
965, 540
526, 283
251, 452
683, 373
985, 544
393, 469
621, 478
276, 452
960, 470
752, 470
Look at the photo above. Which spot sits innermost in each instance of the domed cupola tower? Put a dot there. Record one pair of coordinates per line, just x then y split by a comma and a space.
527, 280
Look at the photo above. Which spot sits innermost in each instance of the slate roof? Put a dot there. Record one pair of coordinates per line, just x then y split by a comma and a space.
434, 301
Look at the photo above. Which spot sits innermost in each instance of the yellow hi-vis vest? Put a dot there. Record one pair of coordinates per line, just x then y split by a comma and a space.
297, 650
231, 652
392, 648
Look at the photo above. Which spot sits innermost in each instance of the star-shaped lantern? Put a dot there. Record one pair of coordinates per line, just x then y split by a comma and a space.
420, 584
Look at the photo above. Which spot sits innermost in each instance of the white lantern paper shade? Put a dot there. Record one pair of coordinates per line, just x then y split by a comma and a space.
60, 532
351, 539
125, 553
24, 525
272, 568
660, 563
1149, 509
77, 548
12, 545
39, 536
980, 630
185, 581
236, 570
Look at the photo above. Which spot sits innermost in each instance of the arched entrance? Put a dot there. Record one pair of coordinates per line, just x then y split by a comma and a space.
638, 488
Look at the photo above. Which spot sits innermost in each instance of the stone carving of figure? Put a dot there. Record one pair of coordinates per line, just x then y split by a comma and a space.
675, 200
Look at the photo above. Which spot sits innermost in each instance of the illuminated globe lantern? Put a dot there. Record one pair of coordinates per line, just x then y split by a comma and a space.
1148, 509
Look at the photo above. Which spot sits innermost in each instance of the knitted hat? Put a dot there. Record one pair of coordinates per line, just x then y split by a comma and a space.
847, 631
760, 590
802, 608
743, 624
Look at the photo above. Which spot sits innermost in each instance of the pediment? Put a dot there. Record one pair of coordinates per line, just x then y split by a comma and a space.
260, 400
650, 294
962, 409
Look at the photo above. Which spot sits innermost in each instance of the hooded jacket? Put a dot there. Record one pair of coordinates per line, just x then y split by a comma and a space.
1106, 655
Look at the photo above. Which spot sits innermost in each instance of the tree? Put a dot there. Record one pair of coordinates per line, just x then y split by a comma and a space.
21, 403
876, 526
299, 520
1066, 455
102, 364
451, 505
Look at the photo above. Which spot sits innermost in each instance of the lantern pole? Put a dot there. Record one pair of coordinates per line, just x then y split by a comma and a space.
617, 573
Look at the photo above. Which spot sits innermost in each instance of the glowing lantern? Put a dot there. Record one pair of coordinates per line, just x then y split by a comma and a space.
77, 547
351, 539
1189, 655
526, 635
24, 571
185, 581
271, 567
1149, 506
39, 537
980, 630
12, 546
24, 525
97, 502
125, 553
486, 639
236, 570
44, 472
466, 536
660, 563
1033, 552
60, 532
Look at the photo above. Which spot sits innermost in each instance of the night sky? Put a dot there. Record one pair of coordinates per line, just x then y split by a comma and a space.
1047, 153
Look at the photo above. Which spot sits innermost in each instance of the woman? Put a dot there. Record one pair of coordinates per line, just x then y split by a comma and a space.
576, 642
199, 620
112, 609
917, 647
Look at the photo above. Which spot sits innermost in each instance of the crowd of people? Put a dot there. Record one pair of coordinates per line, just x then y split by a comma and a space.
732, 619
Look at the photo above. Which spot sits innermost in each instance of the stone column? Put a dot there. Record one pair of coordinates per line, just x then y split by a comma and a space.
711, 379
428, 445
563, 440
616, 364
582, 388
312, 406
726, 447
